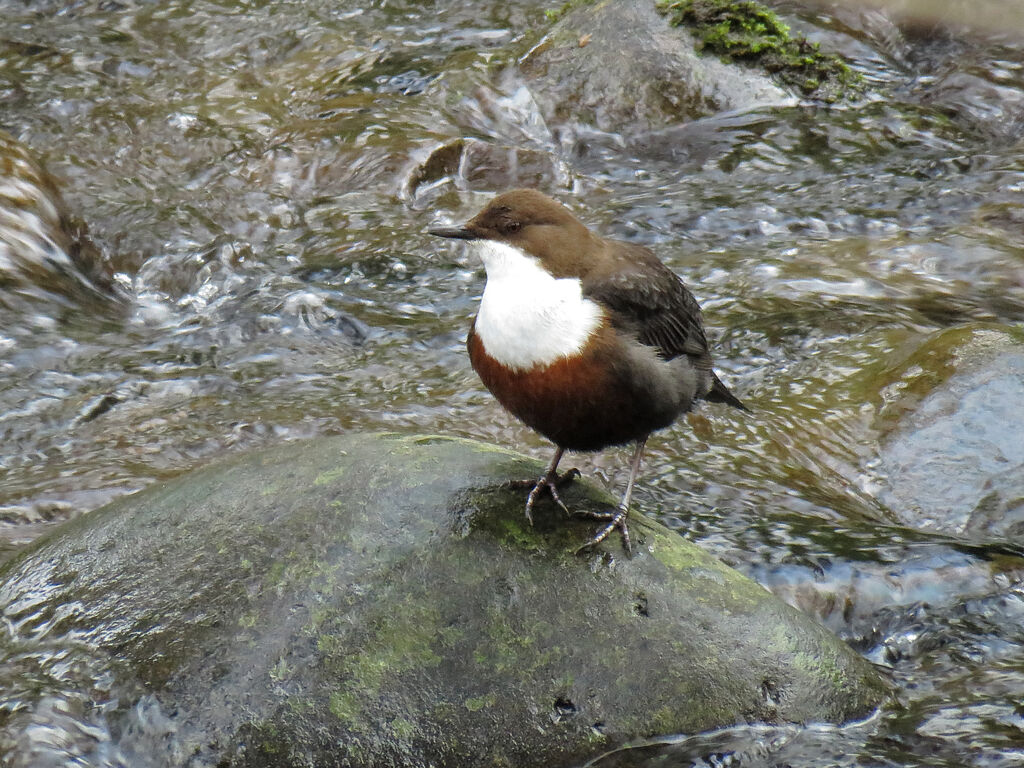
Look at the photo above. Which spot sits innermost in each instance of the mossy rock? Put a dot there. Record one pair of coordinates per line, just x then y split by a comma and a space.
744, 30
620, 66
375, 600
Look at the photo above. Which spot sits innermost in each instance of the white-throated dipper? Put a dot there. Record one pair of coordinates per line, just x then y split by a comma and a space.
591, 342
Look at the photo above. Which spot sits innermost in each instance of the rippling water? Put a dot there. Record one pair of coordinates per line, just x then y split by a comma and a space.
246, 169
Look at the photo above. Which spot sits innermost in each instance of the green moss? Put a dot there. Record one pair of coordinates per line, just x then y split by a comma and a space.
554, 14
275, 576
520, 534
477, 703
265, 739
403, 642
331, 476
693, 565
508, 646
298, 705
403, 729
664, 720
281, 672
344, 706
743, 30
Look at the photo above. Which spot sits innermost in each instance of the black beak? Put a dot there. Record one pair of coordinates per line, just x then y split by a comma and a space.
458, 233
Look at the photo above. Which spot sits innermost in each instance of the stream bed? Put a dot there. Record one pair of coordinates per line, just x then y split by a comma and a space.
256, 177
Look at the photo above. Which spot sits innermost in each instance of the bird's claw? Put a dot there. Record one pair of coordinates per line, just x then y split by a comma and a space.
616, 520
546, 484
564, 479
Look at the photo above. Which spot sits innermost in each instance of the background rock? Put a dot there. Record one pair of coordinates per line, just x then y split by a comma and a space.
956, 462
469, 163
42, 249
619, 66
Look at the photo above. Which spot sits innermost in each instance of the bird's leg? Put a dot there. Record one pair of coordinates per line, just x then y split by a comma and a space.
617, 518
549, 482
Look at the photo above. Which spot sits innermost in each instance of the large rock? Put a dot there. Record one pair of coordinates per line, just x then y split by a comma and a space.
381, 601
621, 67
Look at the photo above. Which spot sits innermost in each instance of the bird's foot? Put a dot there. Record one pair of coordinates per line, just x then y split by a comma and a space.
546, 484
616, 520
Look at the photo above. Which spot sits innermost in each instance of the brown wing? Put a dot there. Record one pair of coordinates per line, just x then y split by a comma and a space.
645, 297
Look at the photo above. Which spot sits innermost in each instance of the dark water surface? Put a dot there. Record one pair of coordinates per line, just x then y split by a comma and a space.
246, 168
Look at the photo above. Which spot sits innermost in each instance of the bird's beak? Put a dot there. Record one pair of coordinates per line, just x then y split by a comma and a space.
458, 233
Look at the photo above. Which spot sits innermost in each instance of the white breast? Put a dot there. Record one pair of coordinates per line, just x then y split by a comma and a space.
527, 317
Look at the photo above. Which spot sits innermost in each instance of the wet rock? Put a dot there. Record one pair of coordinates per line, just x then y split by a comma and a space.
621, 67
474, 164
381, 601
959, 61
751, 33
42, 249
954, 59
955, 462
974, 99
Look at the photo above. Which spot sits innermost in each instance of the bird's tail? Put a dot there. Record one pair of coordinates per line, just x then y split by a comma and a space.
720, 394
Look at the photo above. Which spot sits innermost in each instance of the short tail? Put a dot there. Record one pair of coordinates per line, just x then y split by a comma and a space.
720, 394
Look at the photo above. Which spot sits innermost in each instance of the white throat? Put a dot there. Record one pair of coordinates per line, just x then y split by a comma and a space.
527, 317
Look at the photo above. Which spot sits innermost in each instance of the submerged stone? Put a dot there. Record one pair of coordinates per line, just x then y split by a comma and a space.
44, 251
375, 600
483, 165
954, 460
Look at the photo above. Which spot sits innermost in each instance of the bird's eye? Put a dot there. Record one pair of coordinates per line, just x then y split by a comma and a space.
511, 226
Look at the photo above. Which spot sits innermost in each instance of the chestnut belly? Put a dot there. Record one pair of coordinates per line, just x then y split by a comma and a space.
590, 401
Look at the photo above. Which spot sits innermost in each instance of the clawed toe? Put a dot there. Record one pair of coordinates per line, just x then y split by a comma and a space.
548, 484
560, 480
616, 520
567, 477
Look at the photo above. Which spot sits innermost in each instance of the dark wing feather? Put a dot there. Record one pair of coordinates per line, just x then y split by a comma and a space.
645, 297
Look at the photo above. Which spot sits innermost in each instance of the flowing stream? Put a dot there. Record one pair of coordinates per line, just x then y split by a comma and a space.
248, 171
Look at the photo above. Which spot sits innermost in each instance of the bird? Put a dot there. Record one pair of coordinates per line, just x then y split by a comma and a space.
591, 342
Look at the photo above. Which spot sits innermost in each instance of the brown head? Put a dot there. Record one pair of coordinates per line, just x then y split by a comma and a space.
532, 222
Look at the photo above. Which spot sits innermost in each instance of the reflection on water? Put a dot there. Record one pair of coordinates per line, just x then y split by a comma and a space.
245, 169
749, 746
